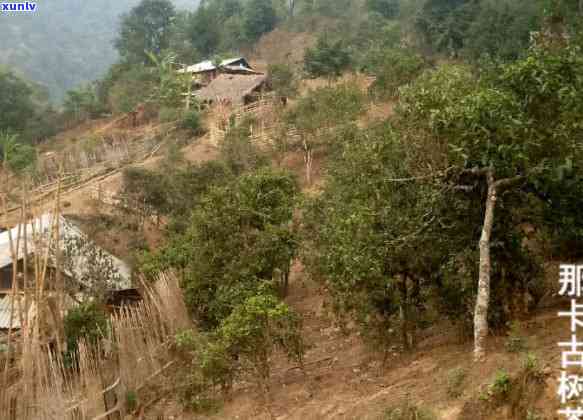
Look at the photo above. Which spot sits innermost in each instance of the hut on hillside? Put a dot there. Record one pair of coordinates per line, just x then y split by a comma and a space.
77, 267
233, 89
206, 71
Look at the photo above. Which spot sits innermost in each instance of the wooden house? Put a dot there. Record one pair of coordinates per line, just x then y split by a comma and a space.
74, 272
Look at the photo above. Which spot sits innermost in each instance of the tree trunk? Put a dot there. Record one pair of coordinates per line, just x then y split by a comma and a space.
308, 162
415, 303
404, 313
483, 298
286, 280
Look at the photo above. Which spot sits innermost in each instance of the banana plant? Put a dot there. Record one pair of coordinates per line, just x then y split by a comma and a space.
172, 84
8, 147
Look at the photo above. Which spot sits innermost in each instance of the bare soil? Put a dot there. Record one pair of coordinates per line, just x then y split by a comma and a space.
344, 378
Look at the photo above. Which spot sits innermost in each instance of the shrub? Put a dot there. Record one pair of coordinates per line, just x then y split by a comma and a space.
191, 121
393, 68
211, 369
455, 381
530, 363
389, 9
534, 415
239, 152
532, 368
130, 87
515, 343
328, 107
23, 158
86, 322
16, 155
243, 344
282, 79
408, 411
501, 385
185, 341
258, 326
83, 103
131, 400
326, 59
167, 114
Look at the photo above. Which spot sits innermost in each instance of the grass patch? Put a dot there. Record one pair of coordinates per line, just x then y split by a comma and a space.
500, 387
516, 341
455, 381
408, 411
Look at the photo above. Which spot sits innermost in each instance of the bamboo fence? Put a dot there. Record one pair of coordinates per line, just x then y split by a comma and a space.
39, 380
95, 384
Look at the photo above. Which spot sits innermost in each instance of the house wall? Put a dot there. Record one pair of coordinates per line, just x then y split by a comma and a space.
7, 272
6, 278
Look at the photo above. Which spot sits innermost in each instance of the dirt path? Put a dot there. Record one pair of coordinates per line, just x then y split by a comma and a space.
79, 200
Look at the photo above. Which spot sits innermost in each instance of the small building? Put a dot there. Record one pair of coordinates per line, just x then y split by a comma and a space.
34, 238
233, 89
206, 71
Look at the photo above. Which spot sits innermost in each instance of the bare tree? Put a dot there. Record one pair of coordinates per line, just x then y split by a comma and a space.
495, 187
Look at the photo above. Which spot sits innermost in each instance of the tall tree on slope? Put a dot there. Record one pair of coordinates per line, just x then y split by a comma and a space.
146, 29
259, 18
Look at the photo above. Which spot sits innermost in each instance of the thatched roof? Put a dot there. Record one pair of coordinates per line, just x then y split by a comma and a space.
232, 88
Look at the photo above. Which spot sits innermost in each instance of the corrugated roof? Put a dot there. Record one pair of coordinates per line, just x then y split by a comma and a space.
68, 231
230, 87
240, 69
209, 65
39, 225
9, 311
5, 310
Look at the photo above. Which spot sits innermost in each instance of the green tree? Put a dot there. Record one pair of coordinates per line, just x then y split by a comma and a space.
239, 241
145, 29
366, 235
500, 135
502, 29
228, 8
238, 150
243, 345
205, 30
321, 115
16, 105
180, 41
283, 80
327, 59
442, 23
83, 103
144, 194
172, 85
255, 329
388, 9
259, 17
130, 87
16, 156
393, 68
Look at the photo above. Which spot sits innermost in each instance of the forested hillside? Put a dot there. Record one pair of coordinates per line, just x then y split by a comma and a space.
66, 42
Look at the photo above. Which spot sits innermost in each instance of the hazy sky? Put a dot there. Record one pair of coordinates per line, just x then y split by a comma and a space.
65, 42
